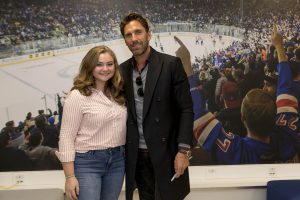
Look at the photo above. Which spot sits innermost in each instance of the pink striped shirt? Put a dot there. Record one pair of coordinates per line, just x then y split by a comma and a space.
90, 123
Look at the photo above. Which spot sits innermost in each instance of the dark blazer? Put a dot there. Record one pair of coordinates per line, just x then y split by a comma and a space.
167, 121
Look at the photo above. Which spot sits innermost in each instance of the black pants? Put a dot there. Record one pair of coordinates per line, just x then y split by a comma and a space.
145, 177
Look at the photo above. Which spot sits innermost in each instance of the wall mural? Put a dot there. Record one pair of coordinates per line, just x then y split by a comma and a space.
43, 42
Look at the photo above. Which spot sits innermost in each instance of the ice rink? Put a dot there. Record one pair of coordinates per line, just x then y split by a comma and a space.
28, 86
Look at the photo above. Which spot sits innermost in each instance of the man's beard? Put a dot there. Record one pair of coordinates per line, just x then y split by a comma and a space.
141, 50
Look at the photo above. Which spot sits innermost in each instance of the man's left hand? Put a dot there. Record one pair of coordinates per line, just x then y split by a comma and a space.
181, 162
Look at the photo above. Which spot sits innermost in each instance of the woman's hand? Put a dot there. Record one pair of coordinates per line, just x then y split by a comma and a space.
72, 188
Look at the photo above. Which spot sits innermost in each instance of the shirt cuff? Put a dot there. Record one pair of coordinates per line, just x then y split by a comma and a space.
183, 146
65, 156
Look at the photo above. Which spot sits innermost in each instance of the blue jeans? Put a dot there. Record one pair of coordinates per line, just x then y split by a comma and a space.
100, 173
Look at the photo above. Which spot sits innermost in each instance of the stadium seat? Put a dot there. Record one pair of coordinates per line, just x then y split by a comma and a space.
283, 190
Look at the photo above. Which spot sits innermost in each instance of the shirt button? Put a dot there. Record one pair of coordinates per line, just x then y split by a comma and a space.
157, 119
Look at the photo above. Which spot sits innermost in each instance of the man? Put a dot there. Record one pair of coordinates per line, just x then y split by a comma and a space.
226, 75
15, 133
270, 84
11, 158
230, 115
160, 117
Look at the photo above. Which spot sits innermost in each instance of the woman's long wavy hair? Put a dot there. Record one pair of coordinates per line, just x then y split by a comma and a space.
85, 79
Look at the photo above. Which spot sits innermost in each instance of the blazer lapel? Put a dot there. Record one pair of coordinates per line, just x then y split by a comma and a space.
154, 69
129, 89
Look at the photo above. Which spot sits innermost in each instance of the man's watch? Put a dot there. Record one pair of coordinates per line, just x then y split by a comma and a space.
188, 153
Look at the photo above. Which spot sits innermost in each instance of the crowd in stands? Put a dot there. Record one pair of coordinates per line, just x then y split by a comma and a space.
225, 76
31, 144
23, 21
229, 80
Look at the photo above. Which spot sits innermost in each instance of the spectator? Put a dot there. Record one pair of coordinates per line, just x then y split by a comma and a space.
209, 91
16, 136
263, 143
43, 157
12, 159
230, 115
270, 84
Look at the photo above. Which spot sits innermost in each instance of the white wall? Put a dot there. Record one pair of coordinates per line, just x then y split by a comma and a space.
245, 182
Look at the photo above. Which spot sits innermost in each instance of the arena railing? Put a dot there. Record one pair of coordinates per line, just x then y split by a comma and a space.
62, 42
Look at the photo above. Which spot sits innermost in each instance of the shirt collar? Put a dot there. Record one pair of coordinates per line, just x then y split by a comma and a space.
148, 60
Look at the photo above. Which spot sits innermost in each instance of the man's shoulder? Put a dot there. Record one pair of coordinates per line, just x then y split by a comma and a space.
165, 56
126, 63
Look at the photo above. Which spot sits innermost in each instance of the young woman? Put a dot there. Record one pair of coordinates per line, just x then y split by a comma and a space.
92, 137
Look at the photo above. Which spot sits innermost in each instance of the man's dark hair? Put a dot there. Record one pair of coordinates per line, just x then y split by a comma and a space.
228, 64
29, 116
35, 137
133, 17
9, 123
41, 112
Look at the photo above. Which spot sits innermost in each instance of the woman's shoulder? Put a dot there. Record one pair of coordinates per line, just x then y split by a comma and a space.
74, 93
